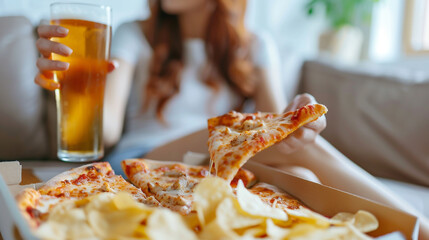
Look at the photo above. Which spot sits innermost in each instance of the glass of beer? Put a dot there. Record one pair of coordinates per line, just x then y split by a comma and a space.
80, 96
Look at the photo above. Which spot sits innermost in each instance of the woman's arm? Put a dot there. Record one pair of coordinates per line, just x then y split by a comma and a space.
115, 101
269, 96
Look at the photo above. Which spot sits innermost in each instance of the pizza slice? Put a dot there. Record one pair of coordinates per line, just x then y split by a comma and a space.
235, 137
77, 183
275, 197
172, 183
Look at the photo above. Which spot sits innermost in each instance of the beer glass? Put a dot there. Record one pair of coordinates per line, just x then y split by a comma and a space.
80, 96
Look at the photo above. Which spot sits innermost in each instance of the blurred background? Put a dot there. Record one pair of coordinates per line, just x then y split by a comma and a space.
390, 33
367, 60
392, 30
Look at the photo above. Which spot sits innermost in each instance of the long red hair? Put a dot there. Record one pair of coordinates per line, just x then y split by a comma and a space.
226, 45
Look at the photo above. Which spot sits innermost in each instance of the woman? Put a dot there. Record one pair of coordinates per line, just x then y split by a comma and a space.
187, 50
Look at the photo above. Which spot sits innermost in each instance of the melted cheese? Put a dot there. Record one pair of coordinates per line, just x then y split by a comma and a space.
171, 183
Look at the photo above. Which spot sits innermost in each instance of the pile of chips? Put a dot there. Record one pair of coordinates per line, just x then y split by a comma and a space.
219, 214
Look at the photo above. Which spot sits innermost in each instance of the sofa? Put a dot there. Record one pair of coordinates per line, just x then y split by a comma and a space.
378, 116
23, 129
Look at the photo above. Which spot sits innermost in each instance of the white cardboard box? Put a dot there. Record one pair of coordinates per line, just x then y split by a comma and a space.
11, 172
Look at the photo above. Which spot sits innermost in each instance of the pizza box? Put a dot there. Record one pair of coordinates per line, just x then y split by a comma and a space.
329, 201
394, 224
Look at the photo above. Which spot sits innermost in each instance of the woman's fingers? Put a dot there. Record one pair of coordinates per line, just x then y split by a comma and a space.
305, 134
300, 172
289, 145
297, 140
48, 31
45, 64
112, 66
46, 83
300, 101
46, 47
317, 125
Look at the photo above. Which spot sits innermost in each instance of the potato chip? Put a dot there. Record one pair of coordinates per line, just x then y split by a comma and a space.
124, 200
216, 231
365, 221
253, 205
342, 217
192, 220
115, 223
66, 222
326, 234
274, 231
50, 231
362, 220
228, 215
306, 215
164, 224
97, 222
258, 232
354, 233
348, 232
101, 202
109, 221
207, 196
300, 230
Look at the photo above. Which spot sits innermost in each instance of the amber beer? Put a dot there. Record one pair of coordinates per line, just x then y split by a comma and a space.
81, 94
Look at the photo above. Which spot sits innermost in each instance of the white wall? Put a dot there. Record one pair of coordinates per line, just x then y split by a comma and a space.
287, 21
295, 34
386, 31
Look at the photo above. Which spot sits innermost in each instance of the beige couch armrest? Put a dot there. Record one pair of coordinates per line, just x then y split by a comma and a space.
377, 118
22, 127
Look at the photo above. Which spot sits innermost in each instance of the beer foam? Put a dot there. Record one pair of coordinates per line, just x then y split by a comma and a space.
88, 12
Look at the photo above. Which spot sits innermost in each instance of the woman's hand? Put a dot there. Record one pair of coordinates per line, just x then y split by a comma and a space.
305, 134
46, 47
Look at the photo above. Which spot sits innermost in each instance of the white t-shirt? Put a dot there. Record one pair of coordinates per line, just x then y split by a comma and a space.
188, 110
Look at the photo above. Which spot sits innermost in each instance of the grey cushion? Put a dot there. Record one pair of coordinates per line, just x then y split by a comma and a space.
380, 120
22, 127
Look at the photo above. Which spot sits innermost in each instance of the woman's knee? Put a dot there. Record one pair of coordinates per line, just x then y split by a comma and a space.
301, 172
